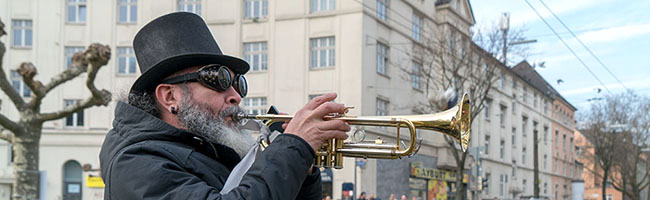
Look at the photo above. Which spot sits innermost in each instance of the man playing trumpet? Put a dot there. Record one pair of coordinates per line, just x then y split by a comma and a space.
178, 136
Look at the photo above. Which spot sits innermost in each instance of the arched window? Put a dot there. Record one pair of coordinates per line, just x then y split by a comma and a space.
72, 180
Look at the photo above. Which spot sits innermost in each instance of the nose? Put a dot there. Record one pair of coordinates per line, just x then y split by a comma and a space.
233, 96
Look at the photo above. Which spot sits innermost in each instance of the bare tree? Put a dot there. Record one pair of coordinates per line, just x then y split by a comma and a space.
492, 40
24, 133
618, 128
445, 58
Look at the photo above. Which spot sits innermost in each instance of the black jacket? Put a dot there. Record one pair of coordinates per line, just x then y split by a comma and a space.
145, 158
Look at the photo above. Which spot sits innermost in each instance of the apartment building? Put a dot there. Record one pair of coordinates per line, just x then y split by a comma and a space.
297, 50
564, 165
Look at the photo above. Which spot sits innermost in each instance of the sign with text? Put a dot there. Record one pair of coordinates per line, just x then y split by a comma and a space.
421, 172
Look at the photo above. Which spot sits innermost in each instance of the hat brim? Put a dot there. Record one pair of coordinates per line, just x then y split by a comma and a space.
152, 77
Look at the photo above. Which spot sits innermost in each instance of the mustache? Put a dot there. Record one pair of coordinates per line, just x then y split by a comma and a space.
234, 113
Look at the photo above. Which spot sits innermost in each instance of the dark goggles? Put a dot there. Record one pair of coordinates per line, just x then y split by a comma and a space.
214, 76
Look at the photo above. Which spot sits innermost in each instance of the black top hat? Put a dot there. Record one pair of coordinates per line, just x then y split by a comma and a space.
174, 42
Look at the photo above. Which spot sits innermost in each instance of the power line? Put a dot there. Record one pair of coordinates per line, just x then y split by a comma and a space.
583, 44
567, 46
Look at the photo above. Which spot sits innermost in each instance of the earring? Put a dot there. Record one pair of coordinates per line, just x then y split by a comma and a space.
173, 110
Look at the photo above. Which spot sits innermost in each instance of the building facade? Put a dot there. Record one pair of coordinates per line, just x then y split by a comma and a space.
360, 49
557, 136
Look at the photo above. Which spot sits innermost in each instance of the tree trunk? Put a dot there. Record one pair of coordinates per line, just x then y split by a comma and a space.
604, 184
460, 188
26, 157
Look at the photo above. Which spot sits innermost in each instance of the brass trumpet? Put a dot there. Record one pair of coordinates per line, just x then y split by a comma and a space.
454, 122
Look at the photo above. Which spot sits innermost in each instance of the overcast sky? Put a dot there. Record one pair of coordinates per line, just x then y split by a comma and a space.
617, 32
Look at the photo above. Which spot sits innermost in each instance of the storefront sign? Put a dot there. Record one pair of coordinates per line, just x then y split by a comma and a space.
94, 182
420, 172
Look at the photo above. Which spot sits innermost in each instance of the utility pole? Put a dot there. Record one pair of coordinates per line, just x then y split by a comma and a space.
535, 162
504, 25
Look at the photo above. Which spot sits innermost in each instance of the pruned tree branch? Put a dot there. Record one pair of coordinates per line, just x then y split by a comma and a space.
78, 65
8, 124
95, 57
6, 87
6, 135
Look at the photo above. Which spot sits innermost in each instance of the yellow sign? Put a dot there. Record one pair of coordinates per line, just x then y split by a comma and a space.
418, 171
94, 182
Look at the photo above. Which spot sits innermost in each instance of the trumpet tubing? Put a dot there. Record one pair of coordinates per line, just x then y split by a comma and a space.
454, 122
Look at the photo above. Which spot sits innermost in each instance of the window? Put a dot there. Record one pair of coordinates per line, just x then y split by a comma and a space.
256, 9
556, 188
523, 155
523, 185
502, 81
524, 124
69, 52
514, 133
502, 115
255, 55
254, 105
545, 134
513, 106
609, 197
76, 11
545, 188
501, 185
524, 94
570, 144
545, 107
415, 76
72, 178
127, 11
382, 9
502, 149
382, 107
322, 5
22, 33
322, 52
556, 137
544, 161
126, 62
535, 100
417, 25
193, 6
563, 141
74, 119
487, 145
312, 96
486, 109
19, 85
382, 58
556, 168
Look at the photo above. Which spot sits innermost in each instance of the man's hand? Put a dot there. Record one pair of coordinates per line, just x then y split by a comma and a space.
308, 122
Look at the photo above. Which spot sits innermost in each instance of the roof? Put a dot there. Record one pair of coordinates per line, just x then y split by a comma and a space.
528, 74
469, 7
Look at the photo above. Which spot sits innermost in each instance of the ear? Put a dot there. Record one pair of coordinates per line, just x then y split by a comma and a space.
168, 96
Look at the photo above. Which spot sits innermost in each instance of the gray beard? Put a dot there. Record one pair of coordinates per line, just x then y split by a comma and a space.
199, 119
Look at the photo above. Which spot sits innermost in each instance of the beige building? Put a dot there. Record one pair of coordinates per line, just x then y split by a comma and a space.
297, 49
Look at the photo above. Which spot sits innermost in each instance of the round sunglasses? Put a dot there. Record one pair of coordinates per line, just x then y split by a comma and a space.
214, 76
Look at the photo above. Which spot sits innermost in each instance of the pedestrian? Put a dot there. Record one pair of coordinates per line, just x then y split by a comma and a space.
178, 135
392, 197
403, 197
362, 196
